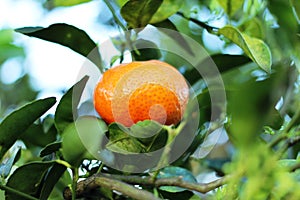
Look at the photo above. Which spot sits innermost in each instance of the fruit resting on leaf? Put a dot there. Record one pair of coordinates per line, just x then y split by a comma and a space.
138, 91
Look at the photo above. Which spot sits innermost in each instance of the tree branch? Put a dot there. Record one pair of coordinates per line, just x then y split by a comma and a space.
94, 182
210, 29
116, 182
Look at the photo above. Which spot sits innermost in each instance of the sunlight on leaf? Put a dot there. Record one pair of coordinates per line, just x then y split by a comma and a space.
255, 48
57, 3
230, 6
138, 13
167, 8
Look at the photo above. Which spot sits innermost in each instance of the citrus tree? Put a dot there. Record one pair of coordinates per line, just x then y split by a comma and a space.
211, 90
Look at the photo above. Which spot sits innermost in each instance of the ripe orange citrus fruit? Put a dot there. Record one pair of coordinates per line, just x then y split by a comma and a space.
142, 90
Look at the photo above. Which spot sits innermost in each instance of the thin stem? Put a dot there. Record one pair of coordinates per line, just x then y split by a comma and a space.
164, 159
19, 193
100, 167
116, 18
294, 119
74, 183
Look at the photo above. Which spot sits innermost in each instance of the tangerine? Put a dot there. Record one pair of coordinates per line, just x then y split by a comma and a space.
141, 90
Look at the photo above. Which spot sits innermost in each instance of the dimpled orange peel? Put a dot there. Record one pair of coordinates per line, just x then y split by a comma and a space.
142, 90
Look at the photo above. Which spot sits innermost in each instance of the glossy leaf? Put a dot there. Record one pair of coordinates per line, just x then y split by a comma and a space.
175, 172
254, 48
231, 6
27, 179
54, 174
150, 133
120, 140
138, 13
57, 3
82, 139
69, 36
167, 8
145, 129
65, 112
36, 136
145, 50
18, 121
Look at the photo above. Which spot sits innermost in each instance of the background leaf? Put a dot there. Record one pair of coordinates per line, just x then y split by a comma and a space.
255, 48
18, 121
138, 13
69, 36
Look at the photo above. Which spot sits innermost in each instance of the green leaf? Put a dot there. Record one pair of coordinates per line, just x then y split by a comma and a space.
65, 112
167, 8
253, 28
230, 6
18, 121
28, 179
150, 133
138, 13
50, 148
166, 27
57, 3
224, 62
69, 36
254, 48
120, 140
145, 129
56, 171
82, 139
145, 50
5, 167
36, 136
175, 172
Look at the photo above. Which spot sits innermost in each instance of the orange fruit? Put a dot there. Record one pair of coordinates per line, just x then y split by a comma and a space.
142, 90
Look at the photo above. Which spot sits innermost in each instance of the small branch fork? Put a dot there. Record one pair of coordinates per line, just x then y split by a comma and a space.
122, 184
